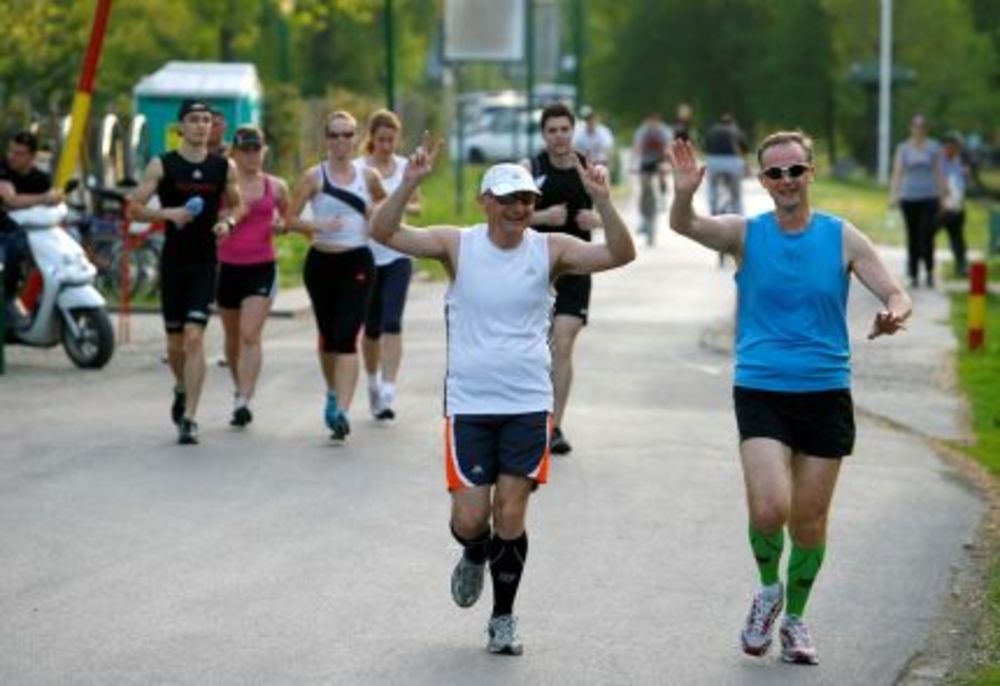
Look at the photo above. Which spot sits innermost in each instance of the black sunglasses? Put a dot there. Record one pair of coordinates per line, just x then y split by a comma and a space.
793, 171
523, 197
342, 134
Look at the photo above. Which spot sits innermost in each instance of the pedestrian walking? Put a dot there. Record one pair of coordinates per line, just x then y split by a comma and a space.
792, 368
382, 345
498, 389
917, 187
564, 207
952, 216
192, 184
339, 269
248, 275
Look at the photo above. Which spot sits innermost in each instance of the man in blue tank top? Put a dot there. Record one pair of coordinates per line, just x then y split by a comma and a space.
792, 373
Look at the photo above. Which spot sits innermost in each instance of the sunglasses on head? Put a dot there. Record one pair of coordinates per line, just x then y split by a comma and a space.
250, 147
341, 134
523, 197
793, 171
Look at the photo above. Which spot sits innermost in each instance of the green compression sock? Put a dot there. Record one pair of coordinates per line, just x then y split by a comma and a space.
767, 551
803, 567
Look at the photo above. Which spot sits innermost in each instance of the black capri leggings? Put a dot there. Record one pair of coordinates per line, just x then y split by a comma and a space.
921, 225
339, 286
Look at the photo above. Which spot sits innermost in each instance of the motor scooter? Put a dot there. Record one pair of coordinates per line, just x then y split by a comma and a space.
60, 298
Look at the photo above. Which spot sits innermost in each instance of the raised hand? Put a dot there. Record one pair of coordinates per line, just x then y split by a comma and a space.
594, 178
886, 323
421, 162
687, 172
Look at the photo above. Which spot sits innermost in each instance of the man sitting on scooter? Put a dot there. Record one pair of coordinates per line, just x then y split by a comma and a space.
22, 185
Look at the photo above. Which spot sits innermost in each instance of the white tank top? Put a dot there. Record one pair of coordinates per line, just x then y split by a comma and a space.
354, 232
498, 311
383, 254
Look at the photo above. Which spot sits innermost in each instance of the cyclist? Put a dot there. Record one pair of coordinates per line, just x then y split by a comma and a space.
725, 158
649, 152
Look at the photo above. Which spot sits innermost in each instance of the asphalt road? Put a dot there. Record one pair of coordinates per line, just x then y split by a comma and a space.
271, 556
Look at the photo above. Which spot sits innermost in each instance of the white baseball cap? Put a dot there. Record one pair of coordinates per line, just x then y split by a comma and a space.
507, 178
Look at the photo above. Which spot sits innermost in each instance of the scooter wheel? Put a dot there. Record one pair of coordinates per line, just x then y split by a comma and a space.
94, 342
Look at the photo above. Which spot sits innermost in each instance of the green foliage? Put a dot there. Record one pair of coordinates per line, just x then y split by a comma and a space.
978, 373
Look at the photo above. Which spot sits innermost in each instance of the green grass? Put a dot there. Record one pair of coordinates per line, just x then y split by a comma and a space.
979, 376
865, 204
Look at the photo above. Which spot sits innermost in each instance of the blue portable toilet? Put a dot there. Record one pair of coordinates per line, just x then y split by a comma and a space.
231, 87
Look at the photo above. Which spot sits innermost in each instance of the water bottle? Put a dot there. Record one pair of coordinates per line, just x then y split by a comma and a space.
195, 205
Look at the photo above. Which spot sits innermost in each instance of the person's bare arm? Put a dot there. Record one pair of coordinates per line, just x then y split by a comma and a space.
138, 210
233, 200
437, 242
282, 201
13, 200
306, 187
569, 254
723, 233
896, 178
863, 260
554, 215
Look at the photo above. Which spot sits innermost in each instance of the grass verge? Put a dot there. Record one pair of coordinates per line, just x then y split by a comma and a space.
979, 377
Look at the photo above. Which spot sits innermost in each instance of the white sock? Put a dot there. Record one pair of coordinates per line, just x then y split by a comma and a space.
773, 591
239, 400
388, 392
374, 381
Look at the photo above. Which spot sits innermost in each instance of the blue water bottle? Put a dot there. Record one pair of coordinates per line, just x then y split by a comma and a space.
195, 205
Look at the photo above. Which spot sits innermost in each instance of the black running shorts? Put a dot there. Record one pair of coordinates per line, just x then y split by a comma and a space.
818, 423
240, 281
479, 447
186, 292
573, 295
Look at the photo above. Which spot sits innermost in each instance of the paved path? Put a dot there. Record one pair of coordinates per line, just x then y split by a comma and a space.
270, 556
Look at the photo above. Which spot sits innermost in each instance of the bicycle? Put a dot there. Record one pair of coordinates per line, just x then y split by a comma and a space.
726, 191
652, 198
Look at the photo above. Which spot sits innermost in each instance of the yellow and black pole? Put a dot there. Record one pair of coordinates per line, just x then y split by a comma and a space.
84, 91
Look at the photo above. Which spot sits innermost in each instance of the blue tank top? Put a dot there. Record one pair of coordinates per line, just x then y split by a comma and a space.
791, 317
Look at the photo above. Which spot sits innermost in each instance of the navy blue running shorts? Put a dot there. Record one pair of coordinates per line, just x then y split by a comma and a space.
479, 447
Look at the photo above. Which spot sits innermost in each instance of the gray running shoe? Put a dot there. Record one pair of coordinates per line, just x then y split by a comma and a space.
503, 636
764, 612
796, 643
467, 582
187, 432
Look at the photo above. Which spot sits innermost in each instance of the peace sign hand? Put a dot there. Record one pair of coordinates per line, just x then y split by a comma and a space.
421, 162
594, 178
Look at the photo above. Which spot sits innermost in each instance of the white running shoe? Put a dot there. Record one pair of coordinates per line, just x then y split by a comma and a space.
503, 636
764, 612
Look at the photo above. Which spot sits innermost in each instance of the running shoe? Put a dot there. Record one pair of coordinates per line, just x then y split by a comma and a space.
385, 411
330, 413
341, 427
764, 612
503, 636
177, 407
241, 416
187, 432
375, 401
796, 643
467, 582
558, 443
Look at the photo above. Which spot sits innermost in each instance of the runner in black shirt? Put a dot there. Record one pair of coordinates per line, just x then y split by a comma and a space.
565, 207
191, 184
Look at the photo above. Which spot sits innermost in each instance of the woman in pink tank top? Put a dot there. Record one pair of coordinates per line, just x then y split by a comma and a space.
248, 277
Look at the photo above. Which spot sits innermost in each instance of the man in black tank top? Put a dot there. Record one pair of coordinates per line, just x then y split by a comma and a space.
191, 184
564, 207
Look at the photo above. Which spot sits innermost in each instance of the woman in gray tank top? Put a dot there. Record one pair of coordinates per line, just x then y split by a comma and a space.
917, 185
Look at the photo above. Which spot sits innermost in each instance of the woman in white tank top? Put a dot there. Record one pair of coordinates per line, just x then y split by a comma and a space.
382, 345
339, 269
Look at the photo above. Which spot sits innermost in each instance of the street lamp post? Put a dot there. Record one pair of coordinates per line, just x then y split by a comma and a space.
884, 91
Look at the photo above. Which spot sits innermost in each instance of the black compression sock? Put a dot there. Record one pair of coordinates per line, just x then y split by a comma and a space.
507, 560
477, 549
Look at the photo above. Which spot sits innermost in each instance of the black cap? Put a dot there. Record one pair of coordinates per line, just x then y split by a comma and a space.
245, 138
189, 106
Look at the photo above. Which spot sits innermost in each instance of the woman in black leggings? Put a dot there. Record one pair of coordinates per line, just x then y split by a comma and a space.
339, 269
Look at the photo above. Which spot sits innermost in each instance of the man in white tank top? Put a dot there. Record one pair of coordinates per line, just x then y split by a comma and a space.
498, 388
